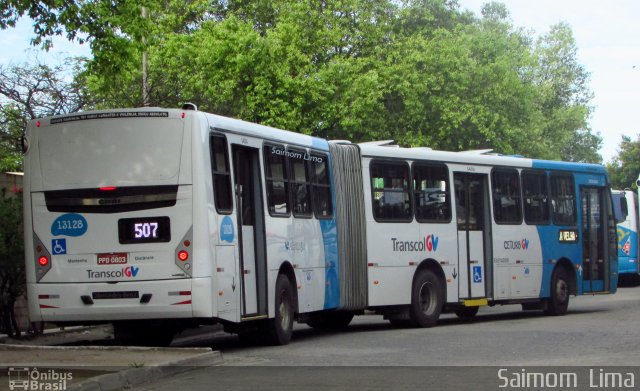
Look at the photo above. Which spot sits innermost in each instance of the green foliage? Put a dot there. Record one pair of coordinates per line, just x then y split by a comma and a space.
31, 91
12, 266
625, 167
12, 125
421, 72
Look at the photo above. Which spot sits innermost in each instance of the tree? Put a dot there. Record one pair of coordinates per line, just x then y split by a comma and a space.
625, 167
28, 92
421, 72
563, 97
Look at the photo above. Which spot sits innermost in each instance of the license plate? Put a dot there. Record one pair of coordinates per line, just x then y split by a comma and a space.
115, 295
113, 258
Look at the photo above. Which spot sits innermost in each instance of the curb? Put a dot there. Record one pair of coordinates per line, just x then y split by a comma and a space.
196, 357
135, 376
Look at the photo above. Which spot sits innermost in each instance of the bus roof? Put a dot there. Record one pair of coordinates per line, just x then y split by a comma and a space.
475, 157
265, 132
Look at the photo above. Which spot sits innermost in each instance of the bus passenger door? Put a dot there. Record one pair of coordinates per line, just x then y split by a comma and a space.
252, 247
472, 212
595, 239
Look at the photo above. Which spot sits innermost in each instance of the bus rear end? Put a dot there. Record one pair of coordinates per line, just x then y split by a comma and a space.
108, 216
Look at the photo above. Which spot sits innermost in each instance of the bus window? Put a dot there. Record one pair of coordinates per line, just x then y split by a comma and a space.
221, 173
299, 184
431, 193
506, 196
322, 205
536, 197
277, 180
563, 199
390, 187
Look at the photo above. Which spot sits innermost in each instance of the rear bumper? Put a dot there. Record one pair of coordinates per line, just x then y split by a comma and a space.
86, 302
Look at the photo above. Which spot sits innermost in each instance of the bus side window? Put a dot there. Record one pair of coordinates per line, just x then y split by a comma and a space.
506, 196
299, 184
322, 204
221, 173
563, 198
390, 191
277, 180
431, 193
536, 197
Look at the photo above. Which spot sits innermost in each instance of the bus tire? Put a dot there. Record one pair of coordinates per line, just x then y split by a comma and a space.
426, 299
278, 331
467, 312
558, 303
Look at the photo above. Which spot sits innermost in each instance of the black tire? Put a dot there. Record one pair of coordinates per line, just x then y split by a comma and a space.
278, 330
331, 321
467, 312
558, 303
426, 299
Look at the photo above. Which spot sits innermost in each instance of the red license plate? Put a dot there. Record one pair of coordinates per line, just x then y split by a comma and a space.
112, 258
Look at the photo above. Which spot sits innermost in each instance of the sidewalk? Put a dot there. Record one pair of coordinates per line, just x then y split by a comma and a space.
103, 368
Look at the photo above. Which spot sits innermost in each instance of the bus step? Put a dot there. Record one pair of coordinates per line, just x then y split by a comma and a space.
256, 317
475, 302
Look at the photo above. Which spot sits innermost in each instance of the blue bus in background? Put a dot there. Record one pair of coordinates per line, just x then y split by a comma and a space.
626, 210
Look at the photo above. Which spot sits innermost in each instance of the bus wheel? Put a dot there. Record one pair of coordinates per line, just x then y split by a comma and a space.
426, 299
467, 312
278, 330
558, 303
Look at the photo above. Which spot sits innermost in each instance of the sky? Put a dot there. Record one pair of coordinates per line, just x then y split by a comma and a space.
607, 35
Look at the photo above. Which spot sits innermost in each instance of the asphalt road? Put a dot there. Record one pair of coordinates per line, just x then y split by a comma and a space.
600, 334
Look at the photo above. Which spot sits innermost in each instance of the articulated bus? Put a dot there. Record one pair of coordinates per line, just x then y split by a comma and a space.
625, 204
160, 219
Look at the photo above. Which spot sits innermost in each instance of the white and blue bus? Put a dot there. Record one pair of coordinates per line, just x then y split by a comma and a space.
160, 219
625, 203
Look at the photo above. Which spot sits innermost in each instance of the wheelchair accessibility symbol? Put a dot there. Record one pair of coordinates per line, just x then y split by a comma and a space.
59, 246
477, 274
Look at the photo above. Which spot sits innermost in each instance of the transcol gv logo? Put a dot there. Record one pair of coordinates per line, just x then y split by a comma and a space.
429, 243
127, 272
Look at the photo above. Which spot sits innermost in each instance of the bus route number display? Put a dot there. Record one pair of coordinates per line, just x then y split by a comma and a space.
568, 236
144, 230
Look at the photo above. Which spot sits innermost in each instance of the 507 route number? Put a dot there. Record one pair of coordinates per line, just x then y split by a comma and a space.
145, 230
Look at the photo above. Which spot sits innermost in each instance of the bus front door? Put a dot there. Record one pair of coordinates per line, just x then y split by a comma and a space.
252, 247
472, 213
595, 239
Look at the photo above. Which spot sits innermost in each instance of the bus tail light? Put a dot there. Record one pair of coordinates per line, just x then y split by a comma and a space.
42, 258
184, 251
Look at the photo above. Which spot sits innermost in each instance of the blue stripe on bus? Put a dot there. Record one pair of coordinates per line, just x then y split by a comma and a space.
332, 283
552, 248
330, 241
627, 258
596, 169
320, 144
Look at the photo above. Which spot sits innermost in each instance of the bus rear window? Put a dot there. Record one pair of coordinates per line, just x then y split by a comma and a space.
121, 152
